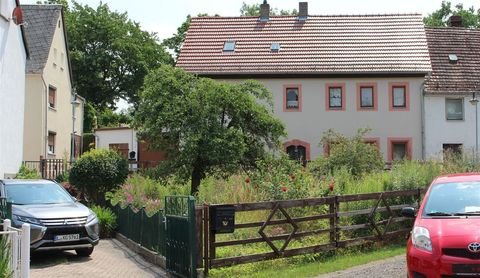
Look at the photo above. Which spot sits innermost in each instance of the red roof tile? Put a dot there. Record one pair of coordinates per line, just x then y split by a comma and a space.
448, 77
319, 45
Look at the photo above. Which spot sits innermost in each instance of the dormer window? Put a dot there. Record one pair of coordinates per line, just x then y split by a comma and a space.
275, 47
229, 46
453, 58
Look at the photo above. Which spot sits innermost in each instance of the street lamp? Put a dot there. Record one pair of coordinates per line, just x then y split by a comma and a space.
474, 101
74, 104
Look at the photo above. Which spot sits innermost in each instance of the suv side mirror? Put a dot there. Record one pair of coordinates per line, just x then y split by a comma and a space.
408, 212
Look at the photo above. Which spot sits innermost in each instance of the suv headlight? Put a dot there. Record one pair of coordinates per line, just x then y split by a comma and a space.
25, 219
91, 217
421, 239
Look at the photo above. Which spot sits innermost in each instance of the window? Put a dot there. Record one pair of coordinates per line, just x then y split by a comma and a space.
366, 97
229, 46
399, 151
399, 148
454, 109
298, 150
452, 149
51, 142
335, 97
399, 96
52, 95
275, 47
297, 153
292, 98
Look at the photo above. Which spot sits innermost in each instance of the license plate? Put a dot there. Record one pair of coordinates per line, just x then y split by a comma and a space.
466, 269
71, 237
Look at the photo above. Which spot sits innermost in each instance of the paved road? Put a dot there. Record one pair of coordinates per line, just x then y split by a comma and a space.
109, 259
394, 267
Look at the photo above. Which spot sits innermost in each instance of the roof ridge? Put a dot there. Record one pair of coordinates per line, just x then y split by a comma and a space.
326, 15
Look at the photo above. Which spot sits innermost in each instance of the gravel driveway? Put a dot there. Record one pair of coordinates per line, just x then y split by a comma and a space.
109, 259
394, 267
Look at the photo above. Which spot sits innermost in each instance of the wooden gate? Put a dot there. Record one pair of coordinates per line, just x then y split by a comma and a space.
293, 227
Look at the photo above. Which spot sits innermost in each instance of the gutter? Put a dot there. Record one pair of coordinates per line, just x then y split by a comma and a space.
45, 135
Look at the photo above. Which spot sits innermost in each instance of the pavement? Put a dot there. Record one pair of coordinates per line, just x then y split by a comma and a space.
109, 259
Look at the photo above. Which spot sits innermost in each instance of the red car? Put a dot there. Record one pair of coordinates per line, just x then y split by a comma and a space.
445, 240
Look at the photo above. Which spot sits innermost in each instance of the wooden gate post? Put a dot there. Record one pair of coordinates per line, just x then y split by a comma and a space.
206, 243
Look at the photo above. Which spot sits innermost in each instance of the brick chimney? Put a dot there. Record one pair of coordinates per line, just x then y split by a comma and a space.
264, 11
302, 11
455, 21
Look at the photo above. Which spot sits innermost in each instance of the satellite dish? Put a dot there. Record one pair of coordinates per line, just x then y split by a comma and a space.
17, 15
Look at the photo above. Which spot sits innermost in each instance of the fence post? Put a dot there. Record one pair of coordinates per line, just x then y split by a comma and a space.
206, 243
6, 224
337, 220
25, 251
331, 210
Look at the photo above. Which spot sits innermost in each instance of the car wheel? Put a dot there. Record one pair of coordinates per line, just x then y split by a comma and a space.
84, 252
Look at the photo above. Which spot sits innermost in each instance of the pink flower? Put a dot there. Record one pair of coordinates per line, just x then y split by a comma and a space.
284, 188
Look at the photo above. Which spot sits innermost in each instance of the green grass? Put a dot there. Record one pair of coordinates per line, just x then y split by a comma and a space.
309, 266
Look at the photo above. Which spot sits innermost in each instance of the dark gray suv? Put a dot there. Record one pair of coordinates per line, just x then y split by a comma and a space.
57, 220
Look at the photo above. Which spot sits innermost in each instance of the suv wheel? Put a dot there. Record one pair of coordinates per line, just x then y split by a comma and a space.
84, 252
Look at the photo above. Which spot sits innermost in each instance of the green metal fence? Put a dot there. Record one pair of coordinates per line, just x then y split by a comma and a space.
5, 209
180, 248
148, 231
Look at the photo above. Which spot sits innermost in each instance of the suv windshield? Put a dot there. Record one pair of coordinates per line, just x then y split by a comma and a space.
37, 193
453, 199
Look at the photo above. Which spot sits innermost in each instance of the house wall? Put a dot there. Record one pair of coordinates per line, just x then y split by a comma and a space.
12, 91
56, 74
35, 107
309, 124
105, 137
439, 130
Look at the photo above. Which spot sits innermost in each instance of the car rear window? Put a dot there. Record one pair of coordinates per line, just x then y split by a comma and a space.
452, 198
37, 193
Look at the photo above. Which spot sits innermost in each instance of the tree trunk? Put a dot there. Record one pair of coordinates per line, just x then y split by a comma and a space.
196, 178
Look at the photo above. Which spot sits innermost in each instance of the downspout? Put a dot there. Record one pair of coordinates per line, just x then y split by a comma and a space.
422, 109
45, 135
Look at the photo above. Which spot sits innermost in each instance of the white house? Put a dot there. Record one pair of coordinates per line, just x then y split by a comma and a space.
325, 72
13, 55
452, 91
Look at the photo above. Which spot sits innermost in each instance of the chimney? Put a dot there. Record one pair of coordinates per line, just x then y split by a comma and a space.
264, 11
302, 11
455, 21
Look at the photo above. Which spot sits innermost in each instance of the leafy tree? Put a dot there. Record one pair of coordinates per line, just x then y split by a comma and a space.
254, 10
470, 17
352, 153
110, 54
97, 172
204, 126
109, 118
175, 42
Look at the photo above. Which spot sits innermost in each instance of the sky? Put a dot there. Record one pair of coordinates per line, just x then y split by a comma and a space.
165, 16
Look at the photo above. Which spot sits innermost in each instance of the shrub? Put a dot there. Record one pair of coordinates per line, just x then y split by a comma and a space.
5, 271
25, 173
107, 219
97, 172
352, 154
143, 192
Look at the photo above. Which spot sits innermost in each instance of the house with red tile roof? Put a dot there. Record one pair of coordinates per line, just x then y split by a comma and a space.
452, 91
340, 72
